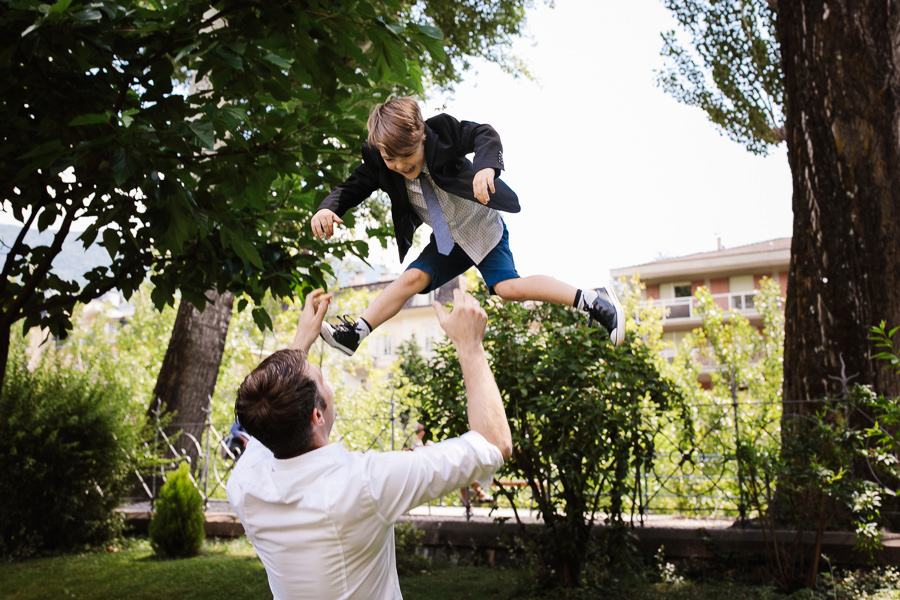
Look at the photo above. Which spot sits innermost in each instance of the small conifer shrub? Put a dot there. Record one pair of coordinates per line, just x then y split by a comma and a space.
176, 530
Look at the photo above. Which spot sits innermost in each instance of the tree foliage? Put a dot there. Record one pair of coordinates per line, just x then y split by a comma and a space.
732, 70
482, 29
207, 187
583, 418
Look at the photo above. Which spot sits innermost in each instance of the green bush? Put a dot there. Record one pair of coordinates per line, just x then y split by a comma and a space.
66, 456
176, 528
408, 544
583, 416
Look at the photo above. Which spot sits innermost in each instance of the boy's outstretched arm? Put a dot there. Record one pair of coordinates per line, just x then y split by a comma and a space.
323, 223
483, 181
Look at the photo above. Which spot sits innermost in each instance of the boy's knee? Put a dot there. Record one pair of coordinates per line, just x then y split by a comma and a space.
508, 289
415, 279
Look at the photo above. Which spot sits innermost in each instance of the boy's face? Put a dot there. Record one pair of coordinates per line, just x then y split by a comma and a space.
408, 163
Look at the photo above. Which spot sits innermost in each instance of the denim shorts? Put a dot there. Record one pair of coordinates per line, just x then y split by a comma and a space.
497, 266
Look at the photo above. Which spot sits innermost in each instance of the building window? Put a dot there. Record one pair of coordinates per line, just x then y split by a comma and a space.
680, 307
742, 301
682, 290
383, 345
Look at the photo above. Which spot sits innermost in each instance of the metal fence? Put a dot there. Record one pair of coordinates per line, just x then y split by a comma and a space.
217, 454
701, 477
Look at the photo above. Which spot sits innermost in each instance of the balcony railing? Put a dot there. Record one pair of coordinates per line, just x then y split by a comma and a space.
685, 308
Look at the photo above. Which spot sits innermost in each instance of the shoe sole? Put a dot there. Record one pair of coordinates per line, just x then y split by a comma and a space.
617, 335
325, 333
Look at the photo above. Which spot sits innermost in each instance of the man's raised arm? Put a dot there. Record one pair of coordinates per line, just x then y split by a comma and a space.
465, 327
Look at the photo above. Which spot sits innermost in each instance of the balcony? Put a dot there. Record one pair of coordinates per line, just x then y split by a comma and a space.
684, 309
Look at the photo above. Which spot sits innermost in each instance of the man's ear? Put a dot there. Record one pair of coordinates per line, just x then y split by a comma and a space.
318, 418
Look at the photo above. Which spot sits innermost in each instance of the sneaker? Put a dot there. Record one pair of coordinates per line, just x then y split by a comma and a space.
607, 311
343, 336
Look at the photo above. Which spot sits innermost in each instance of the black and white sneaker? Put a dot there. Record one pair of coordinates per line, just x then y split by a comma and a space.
345, 336
607, 311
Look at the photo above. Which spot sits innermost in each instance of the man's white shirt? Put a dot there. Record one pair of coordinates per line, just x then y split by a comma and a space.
322, 522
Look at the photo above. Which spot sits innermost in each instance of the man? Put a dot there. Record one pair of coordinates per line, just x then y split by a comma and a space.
321, 518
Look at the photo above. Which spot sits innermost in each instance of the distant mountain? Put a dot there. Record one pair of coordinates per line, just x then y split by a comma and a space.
71, 264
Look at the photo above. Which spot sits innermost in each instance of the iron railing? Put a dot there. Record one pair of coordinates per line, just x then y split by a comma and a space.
700, 478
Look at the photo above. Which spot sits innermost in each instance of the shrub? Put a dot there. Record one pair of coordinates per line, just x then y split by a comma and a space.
176, 530
66, 456
583, 416
408, 545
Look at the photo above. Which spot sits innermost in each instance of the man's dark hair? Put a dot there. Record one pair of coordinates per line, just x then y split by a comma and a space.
275, 403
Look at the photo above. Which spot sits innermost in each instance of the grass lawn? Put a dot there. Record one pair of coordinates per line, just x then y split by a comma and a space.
230, 571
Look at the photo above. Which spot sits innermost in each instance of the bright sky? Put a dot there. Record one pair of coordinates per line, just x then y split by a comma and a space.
610, 171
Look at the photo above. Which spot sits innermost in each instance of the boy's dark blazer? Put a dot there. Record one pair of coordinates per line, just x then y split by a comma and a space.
447, 142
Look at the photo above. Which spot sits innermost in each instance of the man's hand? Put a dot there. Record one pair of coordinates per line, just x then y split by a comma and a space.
323, 223
484, 181
466, 324
311, 318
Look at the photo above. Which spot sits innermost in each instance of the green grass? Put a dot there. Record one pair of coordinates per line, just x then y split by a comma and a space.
230, 571
223, 571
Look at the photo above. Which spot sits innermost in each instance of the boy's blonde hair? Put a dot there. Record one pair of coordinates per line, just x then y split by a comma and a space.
396, 127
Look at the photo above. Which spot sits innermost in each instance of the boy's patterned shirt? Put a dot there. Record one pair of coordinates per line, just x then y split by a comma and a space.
475, 227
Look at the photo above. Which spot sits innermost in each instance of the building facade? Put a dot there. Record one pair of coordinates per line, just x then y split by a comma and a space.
732, 275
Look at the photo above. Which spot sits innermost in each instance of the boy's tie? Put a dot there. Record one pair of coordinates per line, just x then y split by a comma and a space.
438, 223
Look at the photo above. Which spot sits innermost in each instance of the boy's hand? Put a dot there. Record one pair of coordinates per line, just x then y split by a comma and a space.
311, 318
484, 181
323, 223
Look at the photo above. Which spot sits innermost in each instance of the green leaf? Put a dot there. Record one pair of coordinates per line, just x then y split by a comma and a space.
88, 14
205, 133
54, 146
59, 7
431, 31
279, 62
91, 119
111, 242
262, 319
243, 248
231, 59
232, 116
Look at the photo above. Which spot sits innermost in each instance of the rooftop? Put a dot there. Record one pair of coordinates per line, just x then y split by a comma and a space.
770, 255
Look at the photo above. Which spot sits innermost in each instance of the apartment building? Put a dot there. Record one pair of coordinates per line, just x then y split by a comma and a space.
732, 276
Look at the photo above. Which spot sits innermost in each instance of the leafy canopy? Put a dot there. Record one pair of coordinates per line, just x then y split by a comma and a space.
195, 139
732, 70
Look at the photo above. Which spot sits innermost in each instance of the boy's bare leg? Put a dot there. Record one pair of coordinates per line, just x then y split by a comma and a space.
600, 304
389, 302
542, 288
347, 336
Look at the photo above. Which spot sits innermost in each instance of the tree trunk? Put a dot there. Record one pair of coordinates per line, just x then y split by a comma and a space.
188, 375
841, 90
842, 86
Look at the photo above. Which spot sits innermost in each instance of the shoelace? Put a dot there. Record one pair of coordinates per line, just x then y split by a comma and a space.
345, 321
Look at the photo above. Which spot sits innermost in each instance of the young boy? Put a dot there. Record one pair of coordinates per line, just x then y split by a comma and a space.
423, 168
